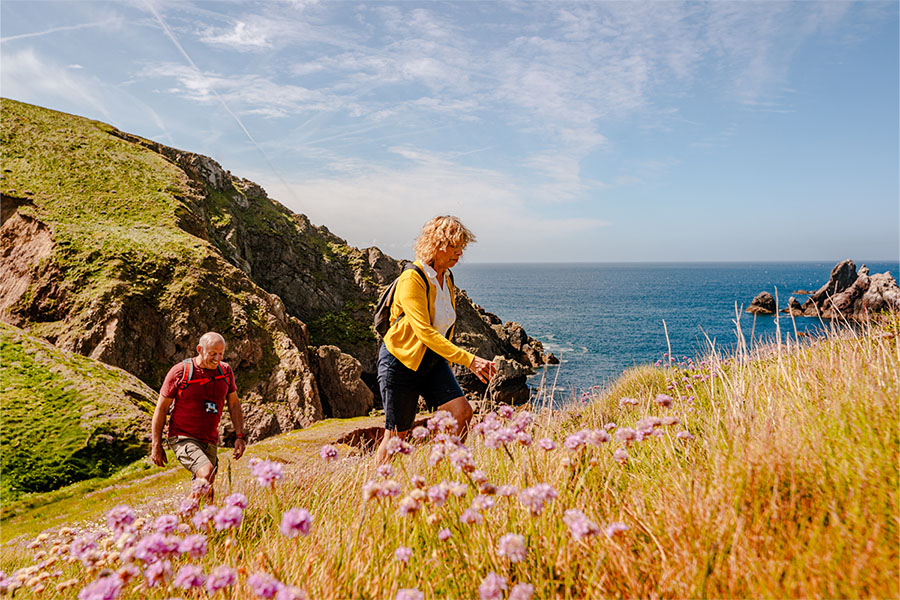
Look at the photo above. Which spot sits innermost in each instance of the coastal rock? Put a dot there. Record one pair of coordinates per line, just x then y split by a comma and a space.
341, 390
794, 307
850, 295
508, 385
883, 294
763, 304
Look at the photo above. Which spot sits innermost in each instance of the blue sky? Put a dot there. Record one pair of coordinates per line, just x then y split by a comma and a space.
590, 131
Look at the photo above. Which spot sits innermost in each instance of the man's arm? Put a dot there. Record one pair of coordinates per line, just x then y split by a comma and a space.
237, 419
157, 454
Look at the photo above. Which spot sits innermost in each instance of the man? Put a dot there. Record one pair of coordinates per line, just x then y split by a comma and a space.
199, 387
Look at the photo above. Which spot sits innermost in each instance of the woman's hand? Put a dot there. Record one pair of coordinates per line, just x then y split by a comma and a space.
483, 369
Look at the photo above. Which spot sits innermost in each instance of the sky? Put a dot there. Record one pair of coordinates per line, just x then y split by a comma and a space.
557, 131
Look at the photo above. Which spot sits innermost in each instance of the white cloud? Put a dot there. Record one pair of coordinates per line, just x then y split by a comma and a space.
243, 37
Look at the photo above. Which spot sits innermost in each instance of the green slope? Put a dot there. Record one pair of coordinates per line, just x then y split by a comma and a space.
65, 417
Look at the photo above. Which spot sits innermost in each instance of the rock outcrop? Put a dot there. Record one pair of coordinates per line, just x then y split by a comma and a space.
851, 295
341, 388
763, 304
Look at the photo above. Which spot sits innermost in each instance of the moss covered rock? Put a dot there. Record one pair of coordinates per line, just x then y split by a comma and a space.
65, 417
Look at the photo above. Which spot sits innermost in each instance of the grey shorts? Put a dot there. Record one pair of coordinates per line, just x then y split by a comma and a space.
194, 454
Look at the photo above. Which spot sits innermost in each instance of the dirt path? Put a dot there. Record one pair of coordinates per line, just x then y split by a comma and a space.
163, 488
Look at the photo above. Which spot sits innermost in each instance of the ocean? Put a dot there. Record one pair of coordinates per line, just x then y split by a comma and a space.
601, 318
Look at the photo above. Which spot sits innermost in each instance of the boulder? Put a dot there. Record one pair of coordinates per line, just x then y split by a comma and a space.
341, 389
794, 307
763, 304
850, 295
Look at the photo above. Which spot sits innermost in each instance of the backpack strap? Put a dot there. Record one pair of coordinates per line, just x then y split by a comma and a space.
408, 267
187, 374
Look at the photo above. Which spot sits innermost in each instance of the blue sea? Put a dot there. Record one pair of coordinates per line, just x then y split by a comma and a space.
602, 318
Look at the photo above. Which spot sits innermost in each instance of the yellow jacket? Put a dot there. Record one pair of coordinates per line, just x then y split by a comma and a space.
409, 337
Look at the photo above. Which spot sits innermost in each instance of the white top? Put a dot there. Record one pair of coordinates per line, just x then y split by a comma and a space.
444, 315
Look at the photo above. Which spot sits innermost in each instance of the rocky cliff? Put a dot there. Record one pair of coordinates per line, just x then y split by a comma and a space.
125, 250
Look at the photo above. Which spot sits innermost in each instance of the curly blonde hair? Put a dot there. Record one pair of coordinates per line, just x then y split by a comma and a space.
440, 233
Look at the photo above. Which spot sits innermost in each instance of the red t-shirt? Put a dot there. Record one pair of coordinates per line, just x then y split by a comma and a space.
198, 409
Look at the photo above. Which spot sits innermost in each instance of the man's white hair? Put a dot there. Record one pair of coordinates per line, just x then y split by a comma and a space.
209, 338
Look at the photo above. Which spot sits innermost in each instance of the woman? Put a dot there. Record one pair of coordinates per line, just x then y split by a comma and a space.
412, 361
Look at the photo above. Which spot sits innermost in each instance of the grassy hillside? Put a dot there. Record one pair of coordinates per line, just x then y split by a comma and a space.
65, 417
772, 473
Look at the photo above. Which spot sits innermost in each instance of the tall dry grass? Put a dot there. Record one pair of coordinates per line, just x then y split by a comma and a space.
785, 484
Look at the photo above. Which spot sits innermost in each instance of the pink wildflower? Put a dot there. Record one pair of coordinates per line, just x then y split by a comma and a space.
262, 585
328, 452
220, 578
237, 499
189, 576
267, 472
290, 592
443, 535
521, 591
579, 525
505, 412
120, 518
626, 435
105, 588
507, 490
575, 440
229, 517
595, 437
664, 400
200, 487
442, 421
408, 506
512, 546
194, 545
546, 444
165, 524
402, 554
534, 498
492, 587
669, 420
462, 460
621, 455
385, 471
188, 505
204, 516
158, 573
470, 517
628, 401
684, 435
409, 594
437, 494
614, 529
397, 446
419, 433
296, 521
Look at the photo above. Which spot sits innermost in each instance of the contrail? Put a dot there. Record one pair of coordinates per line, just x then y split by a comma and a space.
222, 102
58, 29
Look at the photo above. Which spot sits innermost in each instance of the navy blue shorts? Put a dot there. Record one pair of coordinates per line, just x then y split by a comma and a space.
401, 387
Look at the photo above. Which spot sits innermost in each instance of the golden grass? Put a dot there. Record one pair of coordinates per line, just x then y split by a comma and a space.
788, 489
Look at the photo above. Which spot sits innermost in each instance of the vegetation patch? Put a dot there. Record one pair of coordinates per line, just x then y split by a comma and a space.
65, 417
